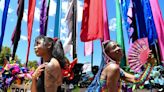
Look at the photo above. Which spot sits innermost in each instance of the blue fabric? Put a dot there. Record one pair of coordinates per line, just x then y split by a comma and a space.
140, 21
144, 20
130, 27
150, 26
57, 18
4, 18
95, 86
124, 7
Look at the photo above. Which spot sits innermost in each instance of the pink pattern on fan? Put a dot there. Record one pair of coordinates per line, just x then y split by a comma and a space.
138, 54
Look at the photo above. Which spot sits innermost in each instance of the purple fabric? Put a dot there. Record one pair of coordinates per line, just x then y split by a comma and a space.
42, 17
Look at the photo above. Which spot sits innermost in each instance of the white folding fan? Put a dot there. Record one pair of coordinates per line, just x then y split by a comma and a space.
138, 54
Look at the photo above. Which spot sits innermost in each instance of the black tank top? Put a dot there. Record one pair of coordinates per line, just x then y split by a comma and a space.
40, 83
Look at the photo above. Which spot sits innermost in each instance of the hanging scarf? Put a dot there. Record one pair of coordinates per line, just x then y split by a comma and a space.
4, 18
92, 21
105, 22
57, 18
140, 21
42, 17
17, 31
149, 21
157, 15
46, 23
129, 20
31, 10
119, 32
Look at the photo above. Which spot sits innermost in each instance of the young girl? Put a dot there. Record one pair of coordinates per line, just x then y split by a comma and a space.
48, 76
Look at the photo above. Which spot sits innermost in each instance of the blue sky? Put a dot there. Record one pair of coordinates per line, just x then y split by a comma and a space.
22, 47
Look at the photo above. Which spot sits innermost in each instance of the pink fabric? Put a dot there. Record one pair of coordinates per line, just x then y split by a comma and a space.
105, 21
88, 48
159, 23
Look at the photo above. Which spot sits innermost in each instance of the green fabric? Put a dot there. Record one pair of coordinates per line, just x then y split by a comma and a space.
119, 32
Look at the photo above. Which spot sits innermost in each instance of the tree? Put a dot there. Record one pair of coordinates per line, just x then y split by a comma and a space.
5, 51
32, 64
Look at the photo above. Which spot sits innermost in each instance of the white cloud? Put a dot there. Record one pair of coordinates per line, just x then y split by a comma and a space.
63, 33
24, 37
37, 30
10, 10
65, 6
112, 24
37, 14
25, 15
63, 30
2, 3
52, 9
63, 22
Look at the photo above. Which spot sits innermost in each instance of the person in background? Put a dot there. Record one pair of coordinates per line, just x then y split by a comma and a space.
48, 76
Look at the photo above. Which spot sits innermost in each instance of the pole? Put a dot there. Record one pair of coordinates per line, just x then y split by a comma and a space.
74, 28
91, 61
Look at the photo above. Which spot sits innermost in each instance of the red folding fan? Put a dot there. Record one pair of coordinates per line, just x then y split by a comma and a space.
138, 54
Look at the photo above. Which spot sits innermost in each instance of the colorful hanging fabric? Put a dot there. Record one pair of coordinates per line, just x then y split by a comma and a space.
92, 21
31, 10
145, 24
57, 18
4, 19
42, 17
88, 48
67, 46
157, 16
94, 26
119, 31
129, 19
149, 21
17, 31
46, 23
140, 21
105, 22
